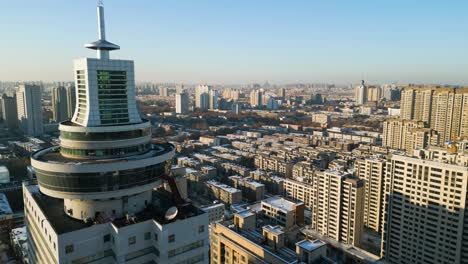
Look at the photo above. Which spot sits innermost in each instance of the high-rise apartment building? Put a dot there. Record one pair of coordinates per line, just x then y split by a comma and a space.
95, 200
202, 97
9, 111
360, 94
214, 97
425, 199
338, 206
163, 91
59, 104
282, 93
396, 133
256, 98
29, 106
372, 171
71, 101
182, 103
442, 109
374, 93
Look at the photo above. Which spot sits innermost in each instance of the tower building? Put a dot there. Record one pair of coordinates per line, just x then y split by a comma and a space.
71, 100
59, 104
95, 198
9, 111
182, 103
361, 94
29, 103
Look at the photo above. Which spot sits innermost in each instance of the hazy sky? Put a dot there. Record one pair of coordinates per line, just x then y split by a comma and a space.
240, 41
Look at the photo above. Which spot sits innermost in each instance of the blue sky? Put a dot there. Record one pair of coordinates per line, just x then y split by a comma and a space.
243, 41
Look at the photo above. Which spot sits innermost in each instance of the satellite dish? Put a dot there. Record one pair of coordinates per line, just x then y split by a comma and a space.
171, 213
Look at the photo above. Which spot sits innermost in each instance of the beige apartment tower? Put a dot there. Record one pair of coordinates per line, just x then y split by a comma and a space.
338, 206
425, 218
372, 171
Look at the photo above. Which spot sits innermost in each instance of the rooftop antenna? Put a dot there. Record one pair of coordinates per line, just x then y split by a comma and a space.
102, 45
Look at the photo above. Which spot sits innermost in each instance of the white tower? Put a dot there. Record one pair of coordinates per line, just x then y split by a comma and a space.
94, 201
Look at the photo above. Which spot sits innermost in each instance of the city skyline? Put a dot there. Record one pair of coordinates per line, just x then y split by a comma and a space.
242, 42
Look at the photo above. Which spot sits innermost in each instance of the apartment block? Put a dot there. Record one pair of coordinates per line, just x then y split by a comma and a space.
425, 218
338, 206
276, 164
243, 240
372, 171
299, 191
396, 132
251, 190
283, 212
224, 193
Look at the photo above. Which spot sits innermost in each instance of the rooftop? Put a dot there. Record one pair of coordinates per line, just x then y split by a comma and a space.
284, 254
224, 187
53, 209
310, 245
245, 214
277, 230
162, 201
280, 203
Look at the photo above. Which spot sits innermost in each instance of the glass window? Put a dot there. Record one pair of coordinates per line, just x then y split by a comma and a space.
69, 249
147, 236
171, 238
106, 238
132, 240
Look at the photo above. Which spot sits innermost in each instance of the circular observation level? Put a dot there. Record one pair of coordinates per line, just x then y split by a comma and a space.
101, 162
104, 142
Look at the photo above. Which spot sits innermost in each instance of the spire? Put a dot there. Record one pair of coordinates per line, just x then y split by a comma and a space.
102, 45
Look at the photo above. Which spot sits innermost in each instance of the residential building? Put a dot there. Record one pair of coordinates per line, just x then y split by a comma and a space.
202, 97
215, 212
242, 241
397, 133
251, 190
224, 193
182, 103
256, 98
360, 94
372, 171
338, 206
71, 100
59, 104
29, 103
9, 111
443, 109
425, 201
283, 212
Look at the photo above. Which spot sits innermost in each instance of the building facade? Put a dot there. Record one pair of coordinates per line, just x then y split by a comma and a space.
9, 111
182, 103
59, 104
29, 103
425, 219
95, 200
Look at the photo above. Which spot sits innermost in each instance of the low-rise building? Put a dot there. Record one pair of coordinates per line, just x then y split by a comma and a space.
224, 193
283, 212
251, 190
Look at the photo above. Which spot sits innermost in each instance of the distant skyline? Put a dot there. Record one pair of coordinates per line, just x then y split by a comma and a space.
234, 42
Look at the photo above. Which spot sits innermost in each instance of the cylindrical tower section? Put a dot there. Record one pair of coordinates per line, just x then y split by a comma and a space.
102, 171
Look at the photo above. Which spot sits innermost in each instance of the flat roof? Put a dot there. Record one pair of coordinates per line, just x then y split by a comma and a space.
277, 230
53, 209
280, 203
310, 245
224, 187
245, 214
